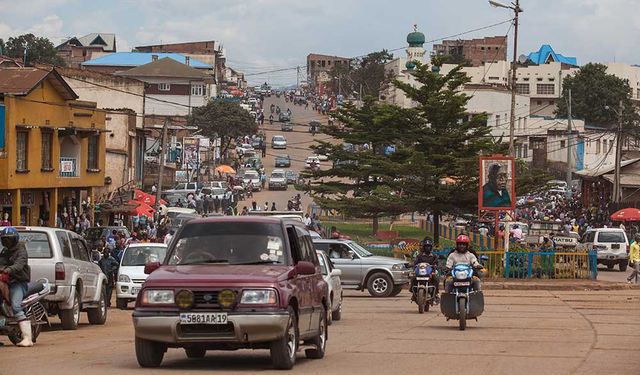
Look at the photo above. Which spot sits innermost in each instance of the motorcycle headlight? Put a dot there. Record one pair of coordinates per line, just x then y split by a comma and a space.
124, 279
158, 297
259, 297
462, 274
422, 271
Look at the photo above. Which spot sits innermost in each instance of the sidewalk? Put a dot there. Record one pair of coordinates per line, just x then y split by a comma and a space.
537, 284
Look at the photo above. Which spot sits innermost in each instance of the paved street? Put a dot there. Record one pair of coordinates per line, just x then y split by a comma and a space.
520, 332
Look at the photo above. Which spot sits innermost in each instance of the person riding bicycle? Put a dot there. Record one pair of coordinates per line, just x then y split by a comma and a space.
426, 256
462, 255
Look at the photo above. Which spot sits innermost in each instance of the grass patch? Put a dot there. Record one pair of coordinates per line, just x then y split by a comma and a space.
361, 233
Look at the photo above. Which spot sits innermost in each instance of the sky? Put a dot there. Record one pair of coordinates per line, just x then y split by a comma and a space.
263, 35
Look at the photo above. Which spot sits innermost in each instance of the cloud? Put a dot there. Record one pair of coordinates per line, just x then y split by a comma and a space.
50, 27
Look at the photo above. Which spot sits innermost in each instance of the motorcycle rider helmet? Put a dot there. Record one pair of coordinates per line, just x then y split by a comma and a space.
9, 237
462, 243
427, 245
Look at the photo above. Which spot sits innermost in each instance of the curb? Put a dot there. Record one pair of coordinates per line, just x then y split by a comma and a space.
557, 285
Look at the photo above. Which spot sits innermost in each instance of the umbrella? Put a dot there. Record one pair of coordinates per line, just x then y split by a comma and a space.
141, 209
146, 198
626, 214
225, 169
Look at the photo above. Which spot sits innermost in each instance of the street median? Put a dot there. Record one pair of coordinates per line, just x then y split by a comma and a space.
555, 284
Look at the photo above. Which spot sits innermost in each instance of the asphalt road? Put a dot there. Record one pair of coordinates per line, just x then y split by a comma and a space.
526, 332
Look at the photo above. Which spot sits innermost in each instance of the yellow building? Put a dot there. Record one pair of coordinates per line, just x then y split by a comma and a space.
52, 147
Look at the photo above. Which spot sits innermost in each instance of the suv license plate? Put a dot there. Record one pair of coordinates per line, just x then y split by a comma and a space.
203, 318
135, 291
422, 278
461, 283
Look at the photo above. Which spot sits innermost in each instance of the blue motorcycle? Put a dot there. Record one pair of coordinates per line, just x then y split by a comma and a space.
462, 302
423, 291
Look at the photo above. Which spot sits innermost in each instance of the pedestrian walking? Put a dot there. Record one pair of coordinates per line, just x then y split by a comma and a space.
273, 206
266, 206
634, 259
109, 266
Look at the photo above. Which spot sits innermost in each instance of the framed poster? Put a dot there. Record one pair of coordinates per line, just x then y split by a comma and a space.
497, 183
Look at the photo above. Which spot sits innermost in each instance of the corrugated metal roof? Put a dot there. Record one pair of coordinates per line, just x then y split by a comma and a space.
604, 169
20, 81
626, 180
93, 39
134, 59
545, 53
166, 67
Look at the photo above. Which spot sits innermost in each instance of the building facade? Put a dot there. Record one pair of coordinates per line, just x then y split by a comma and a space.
77, 50
319, 66
52, 145
477, 51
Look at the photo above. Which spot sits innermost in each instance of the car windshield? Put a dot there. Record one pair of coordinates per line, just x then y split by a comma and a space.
277, 139
229, 243
250, 174
37, 244
277, 175
611, 237
360, 250
141, 255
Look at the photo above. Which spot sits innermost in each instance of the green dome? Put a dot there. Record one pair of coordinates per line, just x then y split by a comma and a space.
410, 65
415, 39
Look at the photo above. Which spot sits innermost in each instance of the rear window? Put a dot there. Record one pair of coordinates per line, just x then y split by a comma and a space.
37, 244
611, 237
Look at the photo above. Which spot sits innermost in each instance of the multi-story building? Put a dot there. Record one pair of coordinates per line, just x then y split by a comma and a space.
51, 148
74, 51
319, 66
477, 51
123, 61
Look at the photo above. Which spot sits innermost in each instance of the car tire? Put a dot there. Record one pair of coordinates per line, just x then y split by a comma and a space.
98, 316
283, 350
396, 290
337, 314
149, 353
623, 266
122, 303
380, 285
195, 352
610, 266
70, 318
319, 341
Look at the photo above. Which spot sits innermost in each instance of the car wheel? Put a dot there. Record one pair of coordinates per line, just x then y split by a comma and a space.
283, 350
623, 266
337, 314
330, 316
122, 303
319, 341
99, 314
195, 352
70, 318
149, 353
610, 266
380, 285
396, 290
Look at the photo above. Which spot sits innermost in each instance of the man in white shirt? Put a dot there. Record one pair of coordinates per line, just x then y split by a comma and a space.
307, 221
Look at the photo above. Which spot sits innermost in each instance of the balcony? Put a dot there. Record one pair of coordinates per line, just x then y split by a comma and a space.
68, 167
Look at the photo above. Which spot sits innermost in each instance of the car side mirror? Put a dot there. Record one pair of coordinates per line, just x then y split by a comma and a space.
336, 272
305, 268
150, 267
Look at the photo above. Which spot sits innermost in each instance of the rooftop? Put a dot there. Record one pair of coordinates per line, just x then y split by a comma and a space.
105, 40
166, 67
21, 81
134, 59
546, 54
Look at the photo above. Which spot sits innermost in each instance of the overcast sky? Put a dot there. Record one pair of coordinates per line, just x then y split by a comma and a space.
261, 35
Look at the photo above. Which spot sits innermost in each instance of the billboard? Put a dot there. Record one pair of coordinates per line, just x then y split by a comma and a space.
497, 183
190, 153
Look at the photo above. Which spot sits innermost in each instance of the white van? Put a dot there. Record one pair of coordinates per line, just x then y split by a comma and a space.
131, 274
611, 245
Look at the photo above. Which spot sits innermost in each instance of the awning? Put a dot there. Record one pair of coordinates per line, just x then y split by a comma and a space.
82, 132
626, 180
604, 169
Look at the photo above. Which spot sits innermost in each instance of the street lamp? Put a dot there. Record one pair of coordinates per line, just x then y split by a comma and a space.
515, 7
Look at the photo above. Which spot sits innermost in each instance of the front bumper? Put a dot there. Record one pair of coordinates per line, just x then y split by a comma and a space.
125, 290
242, 328
401, 277
612, 257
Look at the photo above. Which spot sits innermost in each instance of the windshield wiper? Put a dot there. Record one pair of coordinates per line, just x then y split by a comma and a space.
211, 261
258, 262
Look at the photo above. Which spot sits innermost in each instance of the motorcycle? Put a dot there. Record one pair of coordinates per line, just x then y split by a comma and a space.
462, 302
33, 308
293, 205
423, 292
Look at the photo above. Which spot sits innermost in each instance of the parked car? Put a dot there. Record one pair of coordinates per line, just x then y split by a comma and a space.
173, 199
234, 282
214, 192
332, 276
222, 184
184, 188
284, 117
255, 143
278, 180
291, 175
312, 161
243, 148
173, 212
131, 274
254, 163
278, 141
180, 220
381, 276
64, 258
283, 161
253, 177
95, 234
611, 245
286, 127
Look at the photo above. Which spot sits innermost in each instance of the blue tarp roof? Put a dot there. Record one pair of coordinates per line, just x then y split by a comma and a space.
546, 52
140, 58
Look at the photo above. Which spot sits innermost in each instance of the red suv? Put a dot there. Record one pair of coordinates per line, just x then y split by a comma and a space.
230, 283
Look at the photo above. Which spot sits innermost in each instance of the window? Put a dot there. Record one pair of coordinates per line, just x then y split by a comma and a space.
563, 144
47, 141
63, 240
539, 102
539, 79
551, 79
198, 90
526, 79
551, 102
598, 146
522, 88
323, 63
494, 78
329, 62
497, 120
78, 249
93, 152
164, 86
525, 152
546, 89
604, 145
37, 244
22, 150
611, 237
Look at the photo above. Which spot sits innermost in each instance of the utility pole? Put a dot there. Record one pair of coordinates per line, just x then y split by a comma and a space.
569, 154
512, 121
163, 142
616, 183
298, 77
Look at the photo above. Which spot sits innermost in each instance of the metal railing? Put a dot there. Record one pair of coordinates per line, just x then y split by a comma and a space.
68, 167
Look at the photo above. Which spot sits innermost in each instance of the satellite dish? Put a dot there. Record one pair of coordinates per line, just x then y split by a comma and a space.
523, 59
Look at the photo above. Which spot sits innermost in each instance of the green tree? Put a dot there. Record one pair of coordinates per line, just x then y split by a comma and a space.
596, 96
225, 120
451, 59
40, 50
364, 74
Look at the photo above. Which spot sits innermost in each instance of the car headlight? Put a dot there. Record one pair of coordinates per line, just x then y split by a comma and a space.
184, 299
259, 297
397, 267
158, 297
124, 279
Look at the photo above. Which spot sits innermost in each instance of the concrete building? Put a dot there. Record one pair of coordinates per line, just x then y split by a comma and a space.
123, 61
319, 66
74, 51
51, 148
478, 51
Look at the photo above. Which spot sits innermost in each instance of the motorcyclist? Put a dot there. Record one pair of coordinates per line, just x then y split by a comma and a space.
462, 255
426, 256
14, 269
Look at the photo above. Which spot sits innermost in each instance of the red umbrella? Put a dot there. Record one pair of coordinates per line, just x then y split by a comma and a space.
626, 214
146, 198
141, 209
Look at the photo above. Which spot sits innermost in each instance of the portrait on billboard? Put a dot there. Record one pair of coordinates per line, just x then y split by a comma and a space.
497, 189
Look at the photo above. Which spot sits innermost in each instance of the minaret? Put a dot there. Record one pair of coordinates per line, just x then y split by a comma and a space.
415, 51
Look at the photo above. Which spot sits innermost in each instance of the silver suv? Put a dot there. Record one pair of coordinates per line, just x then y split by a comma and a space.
610, 244
64, 258
381, 276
